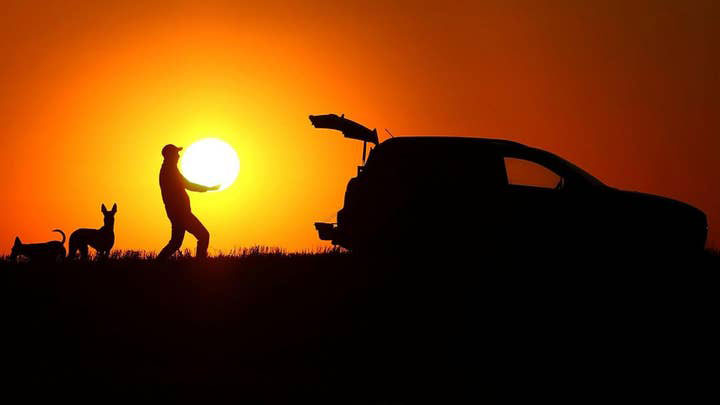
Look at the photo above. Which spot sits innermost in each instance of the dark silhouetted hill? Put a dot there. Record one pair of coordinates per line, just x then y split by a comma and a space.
267, 325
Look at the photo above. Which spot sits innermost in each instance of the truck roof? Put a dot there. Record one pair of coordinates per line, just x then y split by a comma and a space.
414, 147
421, 146
449, 140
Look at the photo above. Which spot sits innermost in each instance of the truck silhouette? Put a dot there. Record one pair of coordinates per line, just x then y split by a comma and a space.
492, 195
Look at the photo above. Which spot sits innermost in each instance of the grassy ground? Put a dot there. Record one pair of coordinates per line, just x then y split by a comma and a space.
270, 325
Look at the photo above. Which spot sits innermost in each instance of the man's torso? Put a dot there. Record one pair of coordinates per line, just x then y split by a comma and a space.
175, 198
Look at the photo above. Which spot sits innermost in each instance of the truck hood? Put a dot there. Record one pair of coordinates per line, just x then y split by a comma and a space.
665, 203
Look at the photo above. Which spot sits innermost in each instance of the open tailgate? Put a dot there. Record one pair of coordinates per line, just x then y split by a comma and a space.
350, 129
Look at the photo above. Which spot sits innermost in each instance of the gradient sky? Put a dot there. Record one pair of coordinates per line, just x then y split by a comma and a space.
91, 91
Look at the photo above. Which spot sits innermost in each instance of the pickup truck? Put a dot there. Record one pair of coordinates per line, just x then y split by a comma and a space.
489, 195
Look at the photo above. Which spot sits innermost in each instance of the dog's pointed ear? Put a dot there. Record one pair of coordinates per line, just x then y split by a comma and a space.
17, 241
114, 208
103, 209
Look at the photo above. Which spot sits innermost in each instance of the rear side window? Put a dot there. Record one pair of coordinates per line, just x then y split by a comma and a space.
444, 166
471, 167
521, 172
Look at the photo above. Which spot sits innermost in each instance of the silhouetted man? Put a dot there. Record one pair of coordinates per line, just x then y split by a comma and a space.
177, 205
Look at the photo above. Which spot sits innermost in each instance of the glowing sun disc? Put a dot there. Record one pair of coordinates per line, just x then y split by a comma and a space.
209, 162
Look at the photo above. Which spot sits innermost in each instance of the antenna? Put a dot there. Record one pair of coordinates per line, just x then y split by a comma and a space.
389, 133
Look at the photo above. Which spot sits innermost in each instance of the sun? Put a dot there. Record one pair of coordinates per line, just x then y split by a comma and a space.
209, 162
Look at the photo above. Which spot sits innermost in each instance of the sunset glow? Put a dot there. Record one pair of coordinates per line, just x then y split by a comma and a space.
94, 90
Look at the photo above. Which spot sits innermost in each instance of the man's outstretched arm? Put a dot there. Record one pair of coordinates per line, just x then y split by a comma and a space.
197, 187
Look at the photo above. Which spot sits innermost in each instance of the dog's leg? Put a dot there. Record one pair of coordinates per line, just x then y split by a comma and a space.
72, 246
84, 252
72, 250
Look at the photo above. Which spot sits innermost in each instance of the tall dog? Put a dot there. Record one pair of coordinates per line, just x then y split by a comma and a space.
101, 240
48, 251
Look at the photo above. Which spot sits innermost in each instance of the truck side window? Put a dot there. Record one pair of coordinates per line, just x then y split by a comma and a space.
521, 172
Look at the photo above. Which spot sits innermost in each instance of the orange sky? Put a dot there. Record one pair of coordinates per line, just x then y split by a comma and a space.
91, 91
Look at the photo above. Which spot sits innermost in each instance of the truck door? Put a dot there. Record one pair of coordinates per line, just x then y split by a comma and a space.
535, 206
471, 182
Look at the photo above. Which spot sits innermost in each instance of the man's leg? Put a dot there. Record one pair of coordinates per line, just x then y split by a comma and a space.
197, 229
178, 234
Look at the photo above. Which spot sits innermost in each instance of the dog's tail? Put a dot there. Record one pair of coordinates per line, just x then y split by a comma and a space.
61, 233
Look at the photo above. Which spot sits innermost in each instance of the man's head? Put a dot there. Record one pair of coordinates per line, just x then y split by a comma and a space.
171, 152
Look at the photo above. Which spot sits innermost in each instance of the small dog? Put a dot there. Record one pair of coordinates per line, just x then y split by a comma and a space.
48, 251
101, 240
